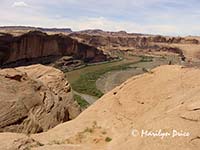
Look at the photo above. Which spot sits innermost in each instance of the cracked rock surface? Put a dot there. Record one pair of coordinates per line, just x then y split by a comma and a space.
34, 99
166, 99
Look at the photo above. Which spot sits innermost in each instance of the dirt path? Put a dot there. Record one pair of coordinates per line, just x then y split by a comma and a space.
112, 79
90, 99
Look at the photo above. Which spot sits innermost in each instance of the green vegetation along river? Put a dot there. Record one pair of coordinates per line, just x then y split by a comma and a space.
91, 82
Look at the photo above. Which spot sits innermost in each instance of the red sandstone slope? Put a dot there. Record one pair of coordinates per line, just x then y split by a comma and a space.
166, 98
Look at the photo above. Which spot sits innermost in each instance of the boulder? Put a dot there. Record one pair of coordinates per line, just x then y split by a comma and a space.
34, 99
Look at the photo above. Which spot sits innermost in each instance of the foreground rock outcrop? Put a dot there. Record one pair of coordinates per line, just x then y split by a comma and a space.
166, 99
38, 47
34, 99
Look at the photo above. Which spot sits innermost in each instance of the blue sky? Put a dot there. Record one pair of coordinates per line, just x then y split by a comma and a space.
168, 17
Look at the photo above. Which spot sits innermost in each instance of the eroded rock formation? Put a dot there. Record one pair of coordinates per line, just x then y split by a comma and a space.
123, 39
166, 99
37, 46
34, 99
110, 41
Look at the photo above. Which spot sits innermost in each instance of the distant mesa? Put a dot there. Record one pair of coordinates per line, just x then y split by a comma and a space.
66, 30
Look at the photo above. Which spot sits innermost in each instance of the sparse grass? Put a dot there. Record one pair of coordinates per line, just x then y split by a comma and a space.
93, 134
146, 70
146, 58
89, 130
108, 139
82, 102
56, 142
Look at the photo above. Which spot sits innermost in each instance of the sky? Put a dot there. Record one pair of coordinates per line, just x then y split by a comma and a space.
166, 17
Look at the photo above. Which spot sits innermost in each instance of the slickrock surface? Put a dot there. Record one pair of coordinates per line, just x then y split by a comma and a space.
166, 98
34, 99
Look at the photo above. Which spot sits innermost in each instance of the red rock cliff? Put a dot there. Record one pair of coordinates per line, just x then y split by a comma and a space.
37, 44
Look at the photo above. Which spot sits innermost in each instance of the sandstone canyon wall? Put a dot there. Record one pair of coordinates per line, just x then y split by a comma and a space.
118, 39
112, 41
36, 44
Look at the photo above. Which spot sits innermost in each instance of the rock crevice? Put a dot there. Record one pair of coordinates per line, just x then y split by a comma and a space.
30, 99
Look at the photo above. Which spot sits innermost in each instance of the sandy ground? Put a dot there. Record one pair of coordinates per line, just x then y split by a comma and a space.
90, 99
113, 79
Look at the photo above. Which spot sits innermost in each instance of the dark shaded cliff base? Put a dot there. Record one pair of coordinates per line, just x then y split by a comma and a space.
38, 47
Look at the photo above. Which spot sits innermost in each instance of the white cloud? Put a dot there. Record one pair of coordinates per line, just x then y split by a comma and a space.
145, 16
20, 4
113, 25
91, 23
